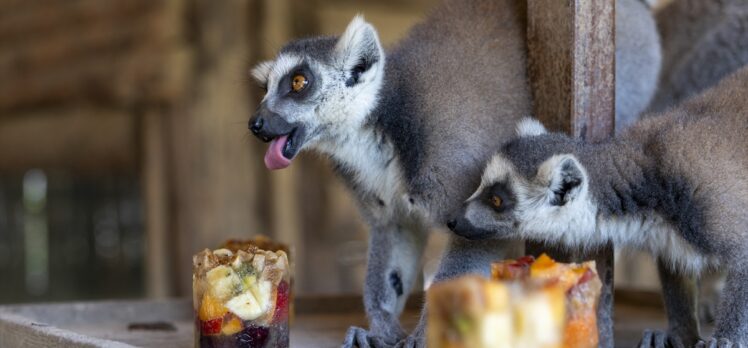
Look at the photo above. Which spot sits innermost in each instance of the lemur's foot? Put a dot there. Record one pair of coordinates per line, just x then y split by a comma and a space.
717, 343
357, 337
412, 342
659, 339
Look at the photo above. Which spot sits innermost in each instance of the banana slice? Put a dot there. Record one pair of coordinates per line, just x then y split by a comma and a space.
245, 306
263, 292
223, 282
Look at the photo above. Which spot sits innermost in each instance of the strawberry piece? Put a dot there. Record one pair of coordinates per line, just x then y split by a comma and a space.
281, 302
587, 276
525, 260
211, 327
517, 271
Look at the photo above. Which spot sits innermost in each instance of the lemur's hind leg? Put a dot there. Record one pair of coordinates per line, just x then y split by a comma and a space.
392, 269
463, 256
732, 319
679, 292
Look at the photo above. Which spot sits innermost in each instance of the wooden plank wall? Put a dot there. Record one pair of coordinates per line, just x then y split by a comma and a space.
572, 70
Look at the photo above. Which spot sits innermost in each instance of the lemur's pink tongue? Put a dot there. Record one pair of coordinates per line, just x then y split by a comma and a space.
274, 158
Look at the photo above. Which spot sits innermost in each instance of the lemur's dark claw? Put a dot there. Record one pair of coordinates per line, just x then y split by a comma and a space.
717, 343
659, 339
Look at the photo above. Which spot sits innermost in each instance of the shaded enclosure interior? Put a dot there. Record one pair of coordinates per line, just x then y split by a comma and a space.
124, 147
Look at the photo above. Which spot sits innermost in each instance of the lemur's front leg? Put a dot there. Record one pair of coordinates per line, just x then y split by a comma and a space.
680, 295
732, 319
461, 257
392, 268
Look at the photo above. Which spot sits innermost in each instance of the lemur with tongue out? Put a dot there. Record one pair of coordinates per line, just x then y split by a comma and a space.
410, 130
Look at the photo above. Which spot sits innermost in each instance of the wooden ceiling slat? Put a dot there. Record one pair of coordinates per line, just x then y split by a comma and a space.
66, 14
77, 139
114, 58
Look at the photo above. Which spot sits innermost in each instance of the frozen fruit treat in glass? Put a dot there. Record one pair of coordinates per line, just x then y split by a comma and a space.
526, 303
241, 297
580, 283
474, 312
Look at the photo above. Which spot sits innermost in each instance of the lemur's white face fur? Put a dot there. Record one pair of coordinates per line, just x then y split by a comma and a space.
318, 90
553, 204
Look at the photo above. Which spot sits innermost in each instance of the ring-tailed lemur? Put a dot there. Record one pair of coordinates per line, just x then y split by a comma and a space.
675, 185
409, 130
702, 42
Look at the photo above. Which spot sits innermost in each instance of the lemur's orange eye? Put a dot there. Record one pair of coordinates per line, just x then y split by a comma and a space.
298, 82
496, 201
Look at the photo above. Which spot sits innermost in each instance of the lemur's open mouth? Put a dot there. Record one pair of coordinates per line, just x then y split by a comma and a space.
283, 149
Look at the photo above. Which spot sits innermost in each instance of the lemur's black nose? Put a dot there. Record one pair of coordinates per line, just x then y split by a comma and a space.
256, 124
452, 224
268, 125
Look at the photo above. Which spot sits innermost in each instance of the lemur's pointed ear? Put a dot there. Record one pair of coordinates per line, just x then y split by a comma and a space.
529, 127
566, 178
261, 72
359, 49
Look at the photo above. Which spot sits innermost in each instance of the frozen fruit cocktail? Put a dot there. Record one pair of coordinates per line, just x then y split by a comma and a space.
241, 298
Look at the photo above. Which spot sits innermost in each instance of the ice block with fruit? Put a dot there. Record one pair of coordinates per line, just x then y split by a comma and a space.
241, 297
579, 282
527, 303
474, 312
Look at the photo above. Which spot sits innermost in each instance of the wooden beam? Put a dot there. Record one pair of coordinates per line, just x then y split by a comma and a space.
572, 65
159, 253
82, 52
80, 139
571, 47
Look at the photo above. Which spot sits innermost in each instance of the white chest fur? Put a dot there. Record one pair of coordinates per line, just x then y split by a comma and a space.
375, 171
652, 233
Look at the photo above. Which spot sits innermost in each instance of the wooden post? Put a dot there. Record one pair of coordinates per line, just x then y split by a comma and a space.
571, 47
155, 193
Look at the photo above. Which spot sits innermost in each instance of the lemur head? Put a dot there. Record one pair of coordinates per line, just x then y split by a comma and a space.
318, 89
534, 188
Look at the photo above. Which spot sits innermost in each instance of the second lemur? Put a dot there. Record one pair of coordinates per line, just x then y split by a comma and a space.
675, 185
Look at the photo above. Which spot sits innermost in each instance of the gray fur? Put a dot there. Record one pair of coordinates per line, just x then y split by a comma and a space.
412, 148
675, 184
703, 41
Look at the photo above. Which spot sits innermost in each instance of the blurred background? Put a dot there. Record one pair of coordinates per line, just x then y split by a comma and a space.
124, 147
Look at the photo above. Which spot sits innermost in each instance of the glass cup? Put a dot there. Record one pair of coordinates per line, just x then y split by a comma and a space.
241, 298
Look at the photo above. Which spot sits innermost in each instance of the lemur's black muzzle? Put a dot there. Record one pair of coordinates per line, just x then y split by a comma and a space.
268, 125
463, 228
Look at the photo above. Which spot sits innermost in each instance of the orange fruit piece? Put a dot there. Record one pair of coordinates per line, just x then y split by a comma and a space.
210, 308
232, 326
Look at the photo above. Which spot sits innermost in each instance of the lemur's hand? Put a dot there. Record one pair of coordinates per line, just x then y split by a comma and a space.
362, 338
659, 339
717, 343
